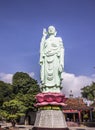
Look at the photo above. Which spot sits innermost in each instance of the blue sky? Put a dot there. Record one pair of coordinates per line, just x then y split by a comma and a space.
21, 25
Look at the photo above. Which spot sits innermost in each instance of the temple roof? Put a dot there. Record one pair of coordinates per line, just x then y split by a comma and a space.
75, 104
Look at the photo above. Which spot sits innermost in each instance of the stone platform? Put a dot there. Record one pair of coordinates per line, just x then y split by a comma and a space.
50, 120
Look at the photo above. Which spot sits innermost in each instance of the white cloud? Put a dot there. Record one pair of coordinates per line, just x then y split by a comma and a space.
75, 83
6, 77
32, 74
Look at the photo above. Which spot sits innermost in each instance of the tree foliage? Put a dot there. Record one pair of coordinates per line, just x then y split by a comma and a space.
19, 98
25, 89
23, 83
88, 92
6, 91
13, 109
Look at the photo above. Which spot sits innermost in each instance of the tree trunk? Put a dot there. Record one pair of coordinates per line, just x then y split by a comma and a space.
13, 122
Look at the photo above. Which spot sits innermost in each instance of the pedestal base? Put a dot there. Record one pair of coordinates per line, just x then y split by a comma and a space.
50, 120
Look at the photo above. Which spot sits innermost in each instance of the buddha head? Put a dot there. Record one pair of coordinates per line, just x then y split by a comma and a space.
52, 30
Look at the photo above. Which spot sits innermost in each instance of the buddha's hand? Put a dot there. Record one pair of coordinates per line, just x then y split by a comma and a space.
44, 32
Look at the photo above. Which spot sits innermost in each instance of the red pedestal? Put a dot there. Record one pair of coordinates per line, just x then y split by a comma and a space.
50, 115
55, 99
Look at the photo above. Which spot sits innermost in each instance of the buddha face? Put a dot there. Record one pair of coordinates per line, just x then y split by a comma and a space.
51, 30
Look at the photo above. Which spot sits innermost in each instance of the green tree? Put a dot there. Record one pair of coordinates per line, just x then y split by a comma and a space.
23, 83
21, 97
25, 89
6, 92
13, 110
88, 92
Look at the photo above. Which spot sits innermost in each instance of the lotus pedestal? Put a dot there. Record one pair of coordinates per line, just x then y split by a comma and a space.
50, 115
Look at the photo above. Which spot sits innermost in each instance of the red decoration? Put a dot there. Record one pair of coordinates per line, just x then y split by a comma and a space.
56, 99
